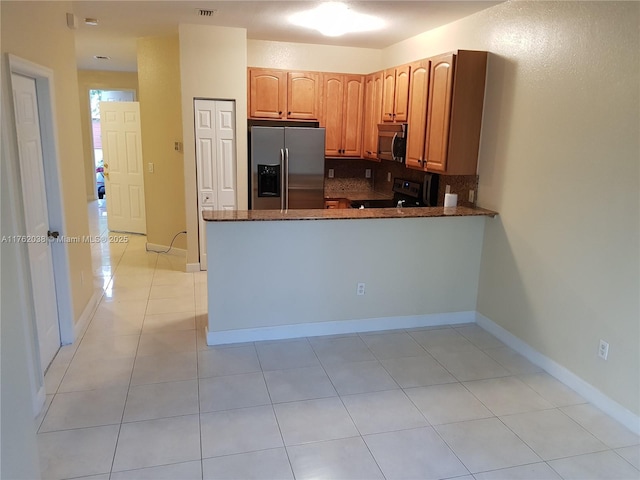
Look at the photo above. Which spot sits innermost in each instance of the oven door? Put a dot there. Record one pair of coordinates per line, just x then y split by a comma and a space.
391, 142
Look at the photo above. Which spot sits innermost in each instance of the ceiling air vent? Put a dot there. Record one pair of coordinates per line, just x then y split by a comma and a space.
203, 12
101, 57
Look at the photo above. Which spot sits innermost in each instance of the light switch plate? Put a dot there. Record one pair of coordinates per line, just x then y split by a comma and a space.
331, 172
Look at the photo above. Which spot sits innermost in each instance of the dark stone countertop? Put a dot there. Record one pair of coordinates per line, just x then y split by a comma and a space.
342, 214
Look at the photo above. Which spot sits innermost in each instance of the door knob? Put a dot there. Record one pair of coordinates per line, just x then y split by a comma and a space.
106, 165
106, 174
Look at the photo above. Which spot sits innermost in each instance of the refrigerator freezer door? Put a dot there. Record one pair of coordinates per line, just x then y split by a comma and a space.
305, 166
267, 152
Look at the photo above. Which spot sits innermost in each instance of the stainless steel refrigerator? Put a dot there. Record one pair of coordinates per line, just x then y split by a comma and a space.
287, 168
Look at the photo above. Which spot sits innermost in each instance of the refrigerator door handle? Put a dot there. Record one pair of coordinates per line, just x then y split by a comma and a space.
283, 174
286, 176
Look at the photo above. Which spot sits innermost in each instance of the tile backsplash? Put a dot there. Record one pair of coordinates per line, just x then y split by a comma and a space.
349, 176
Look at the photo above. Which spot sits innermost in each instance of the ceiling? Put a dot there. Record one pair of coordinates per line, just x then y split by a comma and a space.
122, 22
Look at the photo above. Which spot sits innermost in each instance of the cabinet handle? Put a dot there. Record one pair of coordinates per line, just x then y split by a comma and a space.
280, 113
288, 113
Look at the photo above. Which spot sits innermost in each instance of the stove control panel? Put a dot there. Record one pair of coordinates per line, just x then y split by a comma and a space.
407, 187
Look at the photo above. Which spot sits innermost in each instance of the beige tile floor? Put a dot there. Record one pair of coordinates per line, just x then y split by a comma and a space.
141, 396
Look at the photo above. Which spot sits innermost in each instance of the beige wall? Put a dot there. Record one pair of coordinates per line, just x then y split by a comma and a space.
559, 161
303, 56
161, 120
37, 31
213, 64
398, 284
97, 80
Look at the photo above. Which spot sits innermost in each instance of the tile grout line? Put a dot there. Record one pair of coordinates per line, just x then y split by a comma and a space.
360, 436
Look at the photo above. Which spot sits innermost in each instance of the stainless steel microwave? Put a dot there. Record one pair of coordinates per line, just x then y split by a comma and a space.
392, 141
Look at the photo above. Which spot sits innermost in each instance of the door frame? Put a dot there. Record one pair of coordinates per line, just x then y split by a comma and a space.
44, 79
202, 264
93, 150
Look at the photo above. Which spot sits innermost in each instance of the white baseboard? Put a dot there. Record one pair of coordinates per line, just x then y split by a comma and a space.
178, 252
193, 267
82, 323
299, 330
588, 391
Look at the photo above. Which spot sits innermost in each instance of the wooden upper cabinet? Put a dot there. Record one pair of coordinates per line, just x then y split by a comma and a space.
267, 93
303, 96
372, 114
396, 94
439, 112
388, 95
278, 94
342, 114
454, 114
352, 115
332, 118
401, 102
417, 117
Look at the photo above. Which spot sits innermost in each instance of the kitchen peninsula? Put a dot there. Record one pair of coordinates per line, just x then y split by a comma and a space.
283, 274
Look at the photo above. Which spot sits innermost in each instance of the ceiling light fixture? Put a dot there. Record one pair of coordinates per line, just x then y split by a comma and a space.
333, 19
101, 57
91, 21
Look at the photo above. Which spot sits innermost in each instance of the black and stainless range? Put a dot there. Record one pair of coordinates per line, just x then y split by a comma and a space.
406, 194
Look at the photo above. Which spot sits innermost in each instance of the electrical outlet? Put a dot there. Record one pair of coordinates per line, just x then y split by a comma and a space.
367, 173
331, 173
447, 189
472, 196
360, 290
388, 176
150, 167
177, 146
603, 350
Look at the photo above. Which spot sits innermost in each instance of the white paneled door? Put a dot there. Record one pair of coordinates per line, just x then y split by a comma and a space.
215, 161
123, 168
36, 217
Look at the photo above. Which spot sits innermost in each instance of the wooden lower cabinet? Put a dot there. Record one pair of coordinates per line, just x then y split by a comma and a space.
337, 203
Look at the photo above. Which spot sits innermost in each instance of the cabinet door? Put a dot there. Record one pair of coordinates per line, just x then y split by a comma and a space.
352, 116
401, 96
388, 93
417, 119
303, 96
439, 112
332, 113
267, 93
372, 114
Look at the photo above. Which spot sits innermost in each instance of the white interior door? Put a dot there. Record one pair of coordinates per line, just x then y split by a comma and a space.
36, 216
123, 168
215, 161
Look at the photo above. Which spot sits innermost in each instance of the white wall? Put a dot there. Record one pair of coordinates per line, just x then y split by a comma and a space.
559, 159
293, 272
321, 58
213, 64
